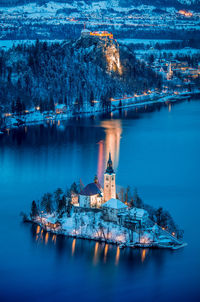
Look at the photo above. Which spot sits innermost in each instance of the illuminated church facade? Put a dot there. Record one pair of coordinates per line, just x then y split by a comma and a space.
93, 195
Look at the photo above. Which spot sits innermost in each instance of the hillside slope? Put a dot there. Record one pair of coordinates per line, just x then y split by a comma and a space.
76, 73
192, 4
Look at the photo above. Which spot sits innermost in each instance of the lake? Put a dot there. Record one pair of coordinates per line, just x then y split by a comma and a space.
156, 150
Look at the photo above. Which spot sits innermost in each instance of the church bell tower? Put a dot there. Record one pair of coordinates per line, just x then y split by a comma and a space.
109, 181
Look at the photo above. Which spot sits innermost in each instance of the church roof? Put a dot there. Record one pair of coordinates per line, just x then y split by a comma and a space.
91, 189
85, 30
109, 169
114, 203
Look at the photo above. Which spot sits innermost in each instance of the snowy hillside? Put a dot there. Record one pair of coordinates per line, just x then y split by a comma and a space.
95, 5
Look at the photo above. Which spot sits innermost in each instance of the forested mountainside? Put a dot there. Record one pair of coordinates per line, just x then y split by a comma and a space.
193, 4
75, 73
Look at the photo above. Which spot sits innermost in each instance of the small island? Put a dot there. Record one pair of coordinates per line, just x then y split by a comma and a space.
96, 213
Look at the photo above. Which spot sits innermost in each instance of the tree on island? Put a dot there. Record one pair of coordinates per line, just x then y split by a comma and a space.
57, 195
61, 206
47, 202
137, 201
34, 209
74, 188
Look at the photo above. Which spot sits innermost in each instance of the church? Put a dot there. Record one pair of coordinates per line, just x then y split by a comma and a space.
94, 196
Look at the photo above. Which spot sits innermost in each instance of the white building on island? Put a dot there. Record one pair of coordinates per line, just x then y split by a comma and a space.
91, 196
113, 209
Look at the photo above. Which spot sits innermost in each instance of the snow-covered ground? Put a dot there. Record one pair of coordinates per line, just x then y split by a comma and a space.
91, 225
37, 118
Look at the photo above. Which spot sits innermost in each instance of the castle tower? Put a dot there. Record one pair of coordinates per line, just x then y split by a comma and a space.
109, 181
169, 72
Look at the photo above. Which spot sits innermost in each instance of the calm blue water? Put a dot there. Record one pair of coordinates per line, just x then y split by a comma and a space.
156, 151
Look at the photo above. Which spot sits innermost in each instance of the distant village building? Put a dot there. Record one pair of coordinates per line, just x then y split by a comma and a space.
61, 108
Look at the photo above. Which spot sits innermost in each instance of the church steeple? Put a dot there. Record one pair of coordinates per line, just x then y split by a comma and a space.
109, 181
109, 169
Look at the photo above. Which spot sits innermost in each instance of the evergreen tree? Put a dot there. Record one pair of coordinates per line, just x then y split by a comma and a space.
18, 107
57, 195
158, 214
47, 202
137, 200
80, 102
62, 205
92, 98
51, 104
74, 188
34, 209
13, 107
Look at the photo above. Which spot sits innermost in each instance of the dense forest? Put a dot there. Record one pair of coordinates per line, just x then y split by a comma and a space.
76, 73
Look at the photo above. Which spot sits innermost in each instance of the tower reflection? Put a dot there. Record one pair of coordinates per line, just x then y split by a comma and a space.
105, 252
143, 254
73, 246
95, 258
117, 256
113, 130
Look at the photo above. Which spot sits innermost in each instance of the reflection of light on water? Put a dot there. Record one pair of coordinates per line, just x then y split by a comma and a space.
113, 132
96, 253
58, 123
105, 252
100, 169
144, 239
46, 237
143, 255
54, 238
117, 256
38, 229
73, 246
169, 107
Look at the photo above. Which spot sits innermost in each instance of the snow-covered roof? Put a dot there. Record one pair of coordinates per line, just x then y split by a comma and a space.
114, 203
136, 213
85, 30
91, 189
139, 213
